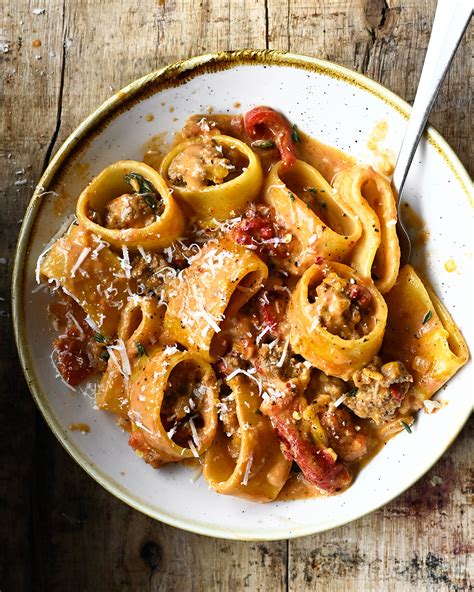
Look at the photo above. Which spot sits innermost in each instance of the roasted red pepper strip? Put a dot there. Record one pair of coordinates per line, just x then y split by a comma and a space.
316, 463
265, 123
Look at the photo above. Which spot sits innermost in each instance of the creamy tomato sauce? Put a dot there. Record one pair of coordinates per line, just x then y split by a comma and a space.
264, 415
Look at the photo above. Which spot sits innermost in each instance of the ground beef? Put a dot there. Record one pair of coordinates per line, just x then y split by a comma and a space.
259, 231
349, 444
342, 307
200, 165
152, 274
128, 211
329, 386
380, 390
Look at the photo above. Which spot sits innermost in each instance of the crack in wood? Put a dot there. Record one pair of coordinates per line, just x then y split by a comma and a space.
267, 30
55, 135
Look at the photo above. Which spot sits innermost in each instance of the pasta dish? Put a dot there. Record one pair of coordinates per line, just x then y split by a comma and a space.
240, 303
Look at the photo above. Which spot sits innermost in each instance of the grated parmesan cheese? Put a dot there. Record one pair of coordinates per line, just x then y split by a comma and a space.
168, 253
241, 371
92, 324
194, 433
248, 467
85, 251
58, 374
75, 321
272, 344
210, 320
281, 361
145, 256
125, 262
261, 335
193, 448
63, 229
340, 400
431, 406
122, 350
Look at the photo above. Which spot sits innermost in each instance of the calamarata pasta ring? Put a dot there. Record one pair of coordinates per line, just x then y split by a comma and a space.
224, 199
305, 203
310, 317
115, 181
149, 389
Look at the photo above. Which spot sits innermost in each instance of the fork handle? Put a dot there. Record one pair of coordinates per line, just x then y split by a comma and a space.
451, 20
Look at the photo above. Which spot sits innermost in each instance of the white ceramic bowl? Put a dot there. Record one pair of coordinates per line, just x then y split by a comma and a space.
338, 107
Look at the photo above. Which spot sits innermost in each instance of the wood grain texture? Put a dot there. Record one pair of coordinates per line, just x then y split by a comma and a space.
31, 79
62, 531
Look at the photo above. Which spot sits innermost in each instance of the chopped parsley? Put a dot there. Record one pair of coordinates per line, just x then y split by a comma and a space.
264, 144
144, 185
406, 426
146, 189
427, 317
141, 351
292, 197
99, 338
294, 134
104, 355
353, 392
311, 189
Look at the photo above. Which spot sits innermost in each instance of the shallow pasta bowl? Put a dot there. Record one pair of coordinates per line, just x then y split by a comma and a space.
340, 108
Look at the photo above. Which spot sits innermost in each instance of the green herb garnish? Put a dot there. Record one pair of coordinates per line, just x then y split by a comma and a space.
104, 355
427, 317
145, 188
264, 144
258, 412
311, 189
294, 133
99, 338
353, 392
151, 200
144, 185
292, 197
141, 351
406, 427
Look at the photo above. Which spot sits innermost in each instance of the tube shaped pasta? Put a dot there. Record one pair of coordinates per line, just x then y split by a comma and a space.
114, 181
223, 199
377, 253
324, 307
139, 330
219, 281
173, 403
421, 333
305, 204
259, 469
91, 274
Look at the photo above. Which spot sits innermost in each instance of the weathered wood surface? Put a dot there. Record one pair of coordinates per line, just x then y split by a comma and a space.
60, 530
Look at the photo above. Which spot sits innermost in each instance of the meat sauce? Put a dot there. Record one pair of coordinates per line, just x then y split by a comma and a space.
76, 354
259, 231
342, 307
326, 442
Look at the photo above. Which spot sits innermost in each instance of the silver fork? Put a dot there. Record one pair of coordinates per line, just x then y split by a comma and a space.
450, 22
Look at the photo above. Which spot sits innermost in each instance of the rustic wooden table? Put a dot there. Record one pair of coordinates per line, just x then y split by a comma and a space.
60, 530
